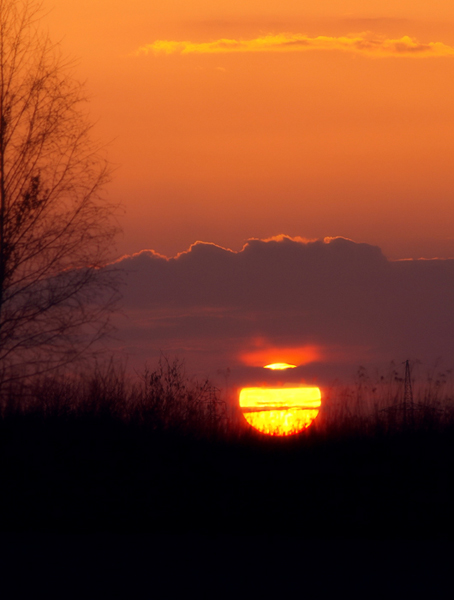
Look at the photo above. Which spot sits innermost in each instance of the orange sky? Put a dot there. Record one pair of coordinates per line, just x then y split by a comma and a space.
340, 123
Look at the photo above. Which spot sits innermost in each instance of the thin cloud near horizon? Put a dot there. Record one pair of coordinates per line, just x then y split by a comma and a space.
364, 43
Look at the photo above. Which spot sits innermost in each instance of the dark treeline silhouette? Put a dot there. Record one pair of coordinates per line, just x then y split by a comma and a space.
163, 454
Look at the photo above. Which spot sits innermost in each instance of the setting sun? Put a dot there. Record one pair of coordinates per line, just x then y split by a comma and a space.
280, 411
279, 366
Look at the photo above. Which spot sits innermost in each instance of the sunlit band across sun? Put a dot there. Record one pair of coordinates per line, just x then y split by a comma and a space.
279, 366
280, 411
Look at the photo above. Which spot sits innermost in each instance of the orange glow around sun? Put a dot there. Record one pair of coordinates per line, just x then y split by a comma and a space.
280, 411
272, 355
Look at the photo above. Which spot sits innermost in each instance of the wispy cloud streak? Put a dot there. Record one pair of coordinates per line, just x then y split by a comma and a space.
362, 43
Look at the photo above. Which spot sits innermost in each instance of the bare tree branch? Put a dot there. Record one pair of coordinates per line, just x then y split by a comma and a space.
56, 228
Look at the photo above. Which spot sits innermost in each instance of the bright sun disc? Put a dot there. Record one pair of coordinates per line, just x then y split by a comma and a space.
279, 366
280, 411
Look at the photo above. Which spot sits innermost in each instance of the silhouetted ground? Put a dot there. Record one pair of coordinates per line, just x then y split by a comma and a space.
99, 455
113, 493
91, 473
228, 566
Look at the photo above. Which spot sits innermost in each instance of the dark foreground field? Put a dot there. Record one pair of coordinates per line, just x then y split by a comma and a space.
101, 467
110, 490
95, 475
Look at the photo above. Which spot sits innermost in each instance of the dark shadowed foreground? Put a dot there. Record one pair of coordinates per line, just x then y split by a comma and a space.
102, 455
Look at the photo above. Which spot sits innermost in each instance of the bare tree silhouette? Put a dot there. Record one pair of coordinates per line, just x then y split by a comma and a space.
56, 227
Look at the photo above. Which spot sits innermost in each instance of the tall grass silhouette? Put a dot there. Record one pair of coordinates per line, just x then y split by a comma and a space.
102, 451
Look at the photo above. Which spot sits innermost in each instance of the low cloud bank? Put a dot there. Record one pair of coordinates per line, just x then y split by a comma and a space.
333, 303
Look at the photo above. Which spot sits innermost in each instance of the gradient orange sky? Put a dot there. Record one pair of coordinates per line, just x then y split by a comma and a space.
314, 119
